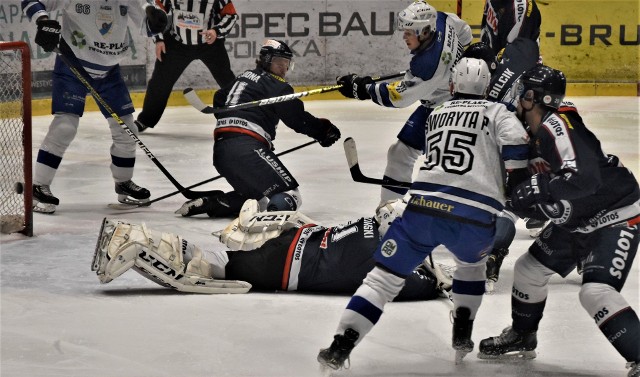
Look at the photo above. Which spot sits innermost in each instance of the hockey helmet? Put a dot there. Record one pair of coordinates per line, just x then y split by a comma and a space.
470, 76
419, 17
274, 48
481, 50
547, 84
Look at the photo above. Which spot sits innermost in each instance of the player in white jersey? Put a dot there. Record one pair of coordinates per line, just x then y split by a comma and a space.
436, 41
95, 40
454, 202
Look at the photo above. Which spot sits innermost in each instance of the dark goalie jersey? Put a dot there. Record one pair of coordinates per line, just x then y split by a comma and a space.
320, 259
254, 85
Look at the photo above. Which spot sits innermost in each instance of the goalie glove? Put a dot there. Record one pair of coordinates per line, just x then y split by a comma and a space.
530, 192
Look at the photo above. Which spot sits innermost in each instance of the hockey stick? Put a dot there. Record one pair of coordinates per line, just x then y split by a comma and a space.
354, 167
147, 204
187, 193
196, 102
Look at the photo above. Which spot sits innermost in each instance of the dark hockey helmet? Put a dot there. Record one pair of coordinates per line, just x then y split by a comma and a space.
548, 85
481, 50
273, 48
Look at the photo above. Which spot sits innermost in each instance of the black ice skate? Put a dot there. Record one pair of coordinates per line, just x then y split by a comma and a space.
509, 345
337, 354
494, 262
208, 204
43, 199
462, 328
130, 193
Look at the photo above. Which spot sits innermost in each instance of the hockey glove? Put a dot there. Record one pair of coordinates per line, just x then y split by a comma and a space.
530, 192
156, 20
48, 34
354, 86
331, 135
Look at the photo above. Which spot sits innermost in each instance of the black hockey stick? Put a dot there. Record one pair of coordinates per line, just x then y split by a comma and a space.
354, 167
184, 191
147, 204
196, 102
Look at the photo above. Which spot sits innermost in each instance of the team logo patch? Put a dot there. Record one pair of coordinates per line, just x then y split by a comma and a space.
389, 248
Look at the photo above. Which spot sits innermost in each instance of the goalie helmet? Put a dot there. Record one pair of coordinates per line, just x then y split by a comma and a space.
273, 48
470, 76
419, 17
481, 50
547, 84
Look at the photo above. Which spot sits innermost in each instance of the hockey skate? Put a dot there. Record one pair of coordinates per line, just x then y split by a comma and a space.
535, 227
494, 262
509, 345
43, 199
634, 369
130, 193
462, 328
199, 206
337, 354
100, 257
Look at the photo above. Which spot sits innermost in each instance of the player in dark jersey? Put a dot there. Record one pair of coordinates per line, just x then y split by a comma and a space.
505, 20
295, 256
243, 147
593, 204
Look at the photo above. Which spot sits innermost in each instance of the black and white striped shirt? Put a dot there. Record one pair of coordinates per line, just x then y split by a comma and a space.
190, 17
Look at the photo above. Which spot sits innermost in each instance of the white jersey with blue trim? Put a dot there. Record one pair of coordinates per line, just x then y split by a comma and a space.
427, 79
96, 30
469, 144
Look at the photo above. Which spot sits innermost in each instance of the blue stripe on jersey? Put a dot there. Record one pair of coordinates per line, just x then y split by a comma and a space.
515, 152
462, 193
474, 288
49, 159
31, 7
366, 309
122, 162
425, 63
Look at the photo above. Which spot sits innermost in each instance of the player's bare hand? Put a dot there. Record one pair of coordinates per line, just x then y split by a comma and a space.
209, 36
160, 49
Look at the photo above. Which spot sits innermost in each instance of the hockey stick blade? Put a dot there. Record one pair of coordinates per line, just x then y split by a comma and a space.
351, 153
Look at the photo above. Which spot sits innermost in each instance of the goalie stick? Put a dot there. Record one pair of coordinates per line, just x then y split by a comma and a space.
195, 101
187, 193
356, 174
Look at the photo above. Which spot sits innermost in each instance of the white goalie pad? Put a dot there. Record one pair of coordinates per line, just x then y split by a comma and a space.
158, 257
253, 228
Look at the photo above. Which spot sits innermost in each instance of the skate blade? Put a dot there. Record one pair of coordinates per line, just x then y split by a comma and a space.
459, 356
126, 199
98, 256
44, 208
510, 356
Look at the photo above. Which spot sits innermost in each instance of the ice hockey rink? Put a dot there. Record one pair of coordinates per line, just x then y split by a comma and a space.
58, 320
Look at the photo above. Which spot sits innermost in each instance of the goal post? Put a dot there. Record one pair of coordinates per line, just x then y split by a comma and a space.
16, 201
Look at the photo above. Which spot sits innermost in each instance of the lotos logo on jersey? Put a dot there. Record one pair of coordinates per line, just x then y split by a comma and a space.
389, 248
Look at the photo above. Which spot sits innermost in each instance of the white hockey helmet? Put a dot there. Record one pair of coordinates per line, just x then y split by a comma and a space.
470, 76
420, 17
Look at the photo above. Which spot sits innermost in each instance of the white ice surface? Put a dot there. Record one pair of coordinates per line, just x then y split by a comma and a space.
57, 320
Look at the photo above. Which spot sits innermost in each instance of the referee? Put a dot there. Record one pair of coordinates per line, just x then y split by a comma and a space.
196, 31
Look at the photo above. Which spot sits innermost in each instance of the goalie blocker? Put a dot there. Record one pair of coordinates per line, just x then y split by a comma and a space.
273, 251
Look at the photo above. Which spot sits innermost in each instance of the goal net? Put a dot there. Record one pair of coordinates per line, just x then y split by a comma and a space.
15, 139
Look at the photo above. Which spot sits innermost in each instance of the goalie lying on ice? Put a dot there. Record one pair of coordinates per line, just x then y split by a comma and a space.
269, 251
